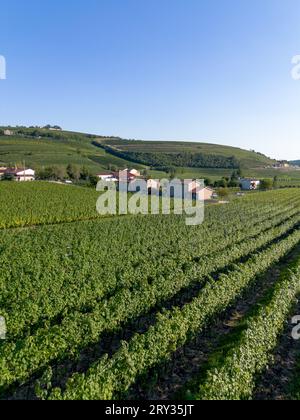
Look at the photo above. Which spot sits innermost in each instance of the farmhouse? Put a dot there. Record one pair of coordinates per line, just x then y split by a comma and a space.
205, 193
124, 176
134, 172
17, 174
116, 176
283, 164
249, 184
8, 133
154, 186
199, 192
107, 177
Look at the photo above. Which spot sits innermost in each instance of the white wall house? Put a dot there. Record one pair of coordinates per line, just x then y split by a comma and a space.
107, 177
249, 184
24, 175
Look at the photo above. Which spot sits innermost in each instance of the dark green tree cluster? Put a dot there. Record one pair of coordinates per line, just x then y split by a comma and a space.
161, 161
228, 182
267, 184
72, 172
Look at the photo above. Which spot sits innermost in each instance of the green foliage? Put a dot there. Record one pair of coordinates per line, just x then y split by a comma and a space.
229, 155
163, 161
25, 204
112, 377
223, 192
235, 377
64, 287
266, 184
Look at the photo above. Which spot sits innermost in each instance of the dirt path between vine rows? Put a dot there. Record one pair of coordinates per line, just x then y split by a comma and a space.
166, 381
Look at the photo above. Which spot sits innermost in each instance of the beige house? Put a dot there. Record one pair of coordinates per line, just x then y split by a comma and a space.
8, 133
200, 192
135, 172
205, 193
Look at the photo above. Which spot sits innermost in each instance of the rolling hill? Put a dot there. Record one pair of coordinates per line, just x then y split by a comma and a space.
223, 154
40, 148
44, 147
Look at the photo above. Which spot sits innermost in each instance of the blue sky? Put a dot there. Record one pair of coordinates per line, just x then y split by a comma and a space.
202, 70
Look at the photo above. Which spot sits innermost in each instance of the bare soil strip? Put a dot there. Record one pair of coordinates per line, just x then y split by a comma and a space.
275, 383
170, 380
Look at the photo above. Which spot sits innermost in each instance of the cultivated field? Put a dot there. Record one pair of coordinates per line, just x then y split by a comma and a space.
43, 203
145, 307
41, 148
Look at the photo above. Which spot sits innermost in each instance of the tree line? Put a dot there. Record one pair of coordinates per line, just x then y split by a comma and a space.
75, 173
161, 161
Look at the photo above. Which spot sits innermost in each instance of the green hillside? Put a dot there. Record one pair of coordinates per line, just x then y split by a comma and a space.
212, 155
40, 148
43, 147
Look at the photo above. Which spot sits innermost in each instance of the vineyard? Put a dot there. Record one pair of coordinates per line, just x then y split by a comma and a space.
44, 203
145, 307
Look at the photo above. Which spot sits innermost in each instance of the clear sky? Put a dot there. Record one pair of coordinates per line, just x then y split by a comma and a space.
202, 70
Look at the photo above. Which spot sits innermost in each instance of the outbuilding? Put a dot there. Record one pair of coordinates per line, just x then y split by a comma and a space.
249, 184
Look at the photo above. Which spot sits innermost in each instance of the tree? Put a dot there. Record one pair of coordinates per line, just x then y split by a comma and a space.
223, 192
45, 173
208, 182
93, 180
276, 182
266, 184
221, 183
234, 180
84, 173
73, 172
239, 173
172, 172
145, 173
59, 172
7, 177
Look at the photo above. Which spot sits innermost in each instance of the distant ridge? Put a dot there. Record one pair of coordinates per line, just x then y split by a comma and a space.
53, 146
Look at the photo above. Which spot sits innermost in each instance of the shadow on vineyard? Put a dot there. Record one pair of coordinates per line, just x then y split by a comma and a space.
179, 377
281, 379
